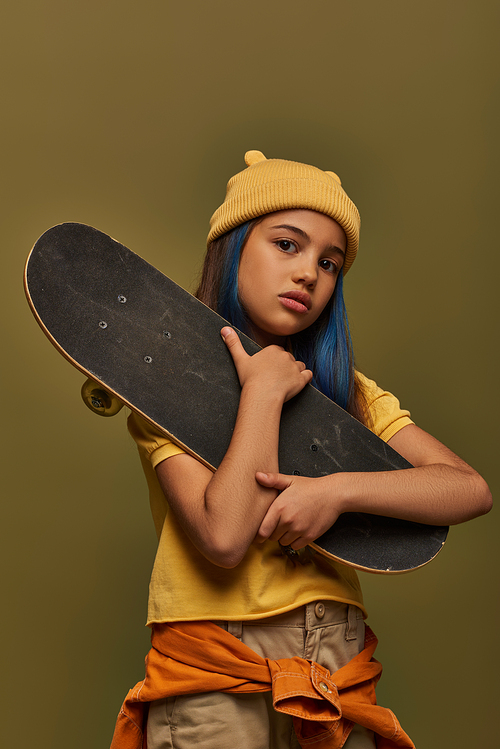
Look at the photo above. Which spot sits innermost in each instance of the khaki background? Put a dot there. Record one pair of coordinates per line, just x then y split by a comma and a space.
131, 117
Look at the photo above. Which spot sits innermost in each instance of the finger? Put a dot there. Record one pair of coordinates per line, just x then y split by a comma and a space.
307, 375
272, 530
270, 523
295, 545
268, 526
277, 481
232, 341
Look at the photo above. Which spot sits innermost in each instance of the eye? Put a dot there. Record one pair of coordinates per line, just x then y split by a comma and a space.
329, 265
286, 245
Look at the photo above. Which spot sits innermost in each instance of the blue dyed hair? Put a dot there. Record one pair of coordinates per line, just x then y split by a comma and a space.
228, 303
325, 347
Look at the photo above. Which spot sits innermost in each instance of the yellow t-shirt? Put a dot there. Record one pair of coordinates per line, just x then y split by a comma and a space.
185, 586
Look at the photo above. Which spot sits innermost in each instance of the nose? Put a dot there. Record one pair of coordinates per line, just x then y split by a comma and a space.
306, 271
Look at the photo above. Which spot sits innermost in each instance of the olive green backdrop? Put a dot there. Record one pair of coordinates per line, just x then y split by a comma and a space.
131, 117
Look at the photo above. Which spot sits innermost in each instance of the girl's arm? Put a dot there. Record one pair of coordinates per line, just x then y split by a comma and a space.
440, 490
221, 512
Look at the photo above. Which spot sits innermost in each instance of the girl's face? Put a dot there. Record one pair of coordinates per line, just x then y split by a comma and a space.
288, 270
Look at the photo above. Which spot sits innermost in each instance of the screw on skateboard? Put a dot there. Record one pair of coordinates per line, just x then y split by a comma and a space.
149, 344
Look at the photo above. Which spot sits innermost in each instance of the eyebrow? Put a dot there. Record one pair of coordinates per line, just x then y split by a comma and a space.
305, 235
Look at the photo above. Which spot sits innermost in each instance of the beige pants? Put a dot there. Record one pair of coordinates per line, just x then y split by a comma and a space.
327, 632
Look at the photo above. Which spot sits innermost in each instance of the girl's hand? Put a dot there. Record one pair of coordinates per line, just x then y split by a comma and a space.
273, 369
303, 511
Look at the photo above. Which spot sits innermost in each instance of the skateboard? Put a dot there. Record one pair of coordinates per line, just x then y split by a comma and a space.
147, 343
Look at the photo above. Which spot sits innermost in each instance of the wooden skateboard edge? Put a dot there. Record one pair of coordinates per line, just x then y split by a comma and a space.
371, 570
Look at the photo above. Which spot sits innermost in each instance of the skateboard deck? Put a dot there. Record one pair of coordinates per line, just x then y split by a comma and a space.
150, 344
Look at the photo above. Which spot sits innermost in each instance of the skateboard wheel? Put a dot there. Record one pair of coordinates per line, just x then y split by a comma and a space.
99, 400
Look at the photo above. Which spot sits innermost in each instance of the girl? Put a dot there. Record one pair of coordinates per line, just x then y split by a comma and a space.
278, 250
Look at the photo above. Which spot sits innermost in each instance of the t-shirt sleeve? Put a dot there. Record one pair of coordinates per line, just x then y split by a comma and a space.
386, 415
152, 443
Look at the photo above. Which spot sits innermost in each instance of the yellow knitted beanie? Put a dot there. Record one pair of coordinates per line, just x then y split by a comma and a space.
269, 185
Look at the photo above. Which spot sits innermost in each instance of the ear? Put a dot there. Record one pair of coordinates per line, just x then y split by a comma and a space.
335, 177
253, 157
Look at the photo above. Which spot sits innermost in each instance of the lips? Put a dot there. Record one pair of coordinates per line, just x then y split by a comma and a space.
298, 301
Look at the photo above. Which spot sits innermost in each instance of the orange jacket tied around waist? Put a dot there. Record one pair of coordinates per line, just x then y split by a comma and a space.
194, 657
